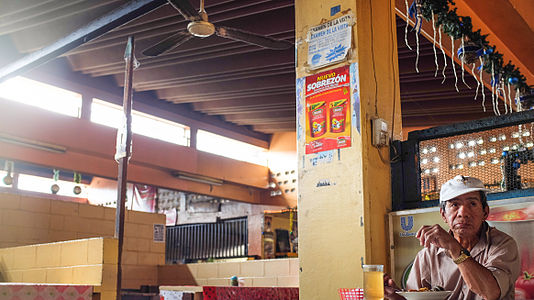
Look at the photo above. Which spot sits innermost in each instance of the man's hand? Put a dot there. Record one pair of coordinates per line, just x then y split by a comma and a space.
390, 287
436, 235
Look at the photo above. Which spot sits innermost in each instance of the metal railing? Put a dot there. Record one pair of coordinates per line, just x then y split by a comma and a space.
190, 242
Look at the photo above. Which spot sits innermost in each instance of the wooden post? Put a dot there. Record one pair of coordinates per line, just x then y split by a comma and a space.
124, 142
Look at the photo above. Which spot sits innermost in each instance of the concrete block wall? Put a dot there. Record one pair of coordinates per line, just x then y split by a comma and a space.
255, 273
86, 261
27, 220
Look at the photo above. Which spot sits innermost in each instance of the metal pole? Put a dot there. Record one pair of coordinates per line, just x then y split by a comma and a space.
124, 142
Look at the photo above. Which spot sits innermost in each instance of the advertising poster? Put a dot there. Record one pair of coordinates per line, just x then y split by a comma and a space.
330, 42
328, 111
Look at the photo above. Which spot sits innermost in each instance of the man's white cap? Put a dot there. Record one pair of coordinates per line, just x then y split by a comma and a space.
460, 185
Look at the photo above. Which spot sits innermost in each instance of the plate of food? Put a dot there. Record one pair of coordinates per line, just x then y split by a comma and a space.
436, 293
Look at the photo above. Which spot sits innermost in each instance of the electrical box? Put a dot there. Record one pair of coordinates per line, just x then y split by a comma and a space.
380, 132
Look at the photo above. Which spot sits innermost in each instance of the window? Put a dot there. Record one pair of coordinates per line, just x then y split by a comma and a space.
45, 96
109, 114
220, 145
43, 185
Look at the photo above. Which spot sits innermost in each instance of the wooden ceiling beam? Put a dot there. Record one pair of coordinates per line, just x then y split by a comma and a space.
248, 102
231, 86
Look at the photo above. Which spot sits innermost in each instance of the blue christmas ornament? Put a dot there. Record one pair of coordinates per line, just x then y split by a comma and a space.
513, 80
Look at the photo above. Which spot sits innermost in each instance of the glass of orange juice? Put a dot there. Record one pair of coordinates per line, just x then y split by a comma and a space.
373, 282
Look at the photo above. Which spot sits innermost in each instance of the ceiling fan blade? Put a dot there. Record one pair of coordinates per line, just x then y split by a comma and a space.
252, 38
186, 9
169, 43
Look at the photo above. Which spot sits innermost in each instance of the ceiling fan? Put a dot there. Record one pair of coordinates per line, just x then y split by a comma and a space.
199, 26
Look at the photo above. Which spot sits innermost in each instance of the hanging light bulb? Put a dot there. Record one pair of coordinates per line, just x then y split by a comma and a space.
8, 179
77, 179
55, 187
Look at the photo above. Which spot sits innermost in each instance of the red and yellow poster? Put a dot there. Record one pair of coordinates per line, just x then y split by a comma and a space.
328, 110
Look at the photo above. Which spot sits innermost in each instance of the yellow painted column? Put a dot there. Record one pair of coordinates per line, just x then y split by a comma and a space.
344, 194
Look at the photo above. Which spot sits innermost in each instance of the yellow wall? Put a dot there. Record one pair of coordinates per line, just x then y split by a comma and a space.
87, 261
268, 272
29, 220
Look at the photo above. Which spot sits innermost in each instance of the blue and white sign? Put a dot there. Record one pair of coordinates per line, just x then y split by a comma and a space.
407, 226
329, 43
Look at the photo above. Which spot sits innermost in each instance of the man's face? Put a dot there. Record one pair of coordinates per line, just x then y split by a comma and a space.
465, 215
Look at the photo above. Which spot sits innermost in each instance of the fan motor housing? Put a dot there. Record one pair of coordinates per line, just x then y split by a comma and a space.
201, 28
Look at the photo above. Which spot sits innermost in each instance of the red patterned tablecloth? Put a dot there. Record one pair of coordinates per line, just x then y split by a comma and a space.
45, 292
250, 293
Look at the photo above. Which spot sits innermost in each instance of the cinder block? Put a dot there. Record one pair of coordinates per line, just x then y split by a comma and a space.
100, 227
157, 247
6, 258
24, 257
193, 269
246, 281
58, 207
129, 258
48, 255
219, 281
140, 217
25, 218
91, 275
264, 281
109, 213
131, 230
147, 258
294, 266
74, 253
86, 235
77, 224
228, 269
14, 276
201, 282
59, 235
91, 211
145, 231
111, 251
276, 267
287, 281
35, 204
59, 275
11, 233
34, 276
138, 272
95, 251
108, 295
207, 270
253, 268
142, 245
36, 235
9, 201
56, 222
109, 277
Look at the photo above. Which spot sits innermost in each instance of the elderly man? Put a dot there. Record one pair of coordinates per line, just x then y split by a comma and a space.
473, 260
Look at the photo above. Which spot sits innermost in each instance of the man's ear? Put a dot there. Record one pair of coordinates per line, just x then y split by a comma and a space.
486, 212
442, 213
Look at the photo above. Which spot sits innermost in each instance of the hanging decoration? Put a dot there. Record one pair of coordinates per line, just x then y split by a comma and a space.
415, 12
8, 179
463, 61
474, 46
55, 187
444, 57
454, 66
434, 45
77, 179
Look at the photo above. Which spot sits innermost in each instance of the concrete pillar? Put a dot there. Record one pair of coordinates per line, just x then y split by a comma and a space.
343, 225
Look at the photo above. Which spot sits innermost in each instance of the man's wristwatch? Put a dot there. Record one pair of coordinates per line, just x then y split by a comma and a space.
464, 254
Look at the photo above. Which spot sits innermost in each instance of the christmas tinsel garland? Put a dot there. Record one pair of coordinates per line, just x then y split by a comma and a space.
461, 27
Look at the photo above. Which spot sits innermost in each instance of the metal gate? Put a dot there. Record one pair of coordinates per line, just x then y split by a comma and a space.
190, 242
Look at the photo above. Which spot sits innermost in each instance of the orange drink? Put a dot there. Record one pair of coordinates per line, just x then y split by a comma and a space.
373, 282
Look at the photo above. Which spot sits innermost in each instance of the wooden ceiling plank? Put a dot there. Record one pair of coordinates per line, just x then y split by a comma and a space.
94, 29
